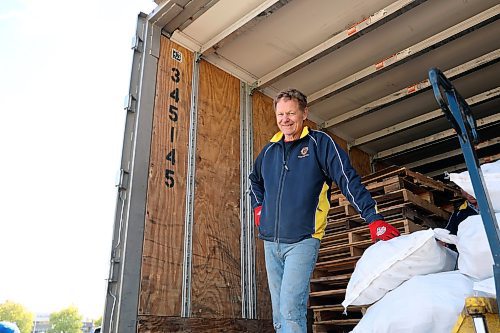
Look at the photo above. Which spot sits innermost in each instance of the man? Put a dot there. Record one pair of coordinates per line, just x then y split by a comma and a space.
290, 191
467, 208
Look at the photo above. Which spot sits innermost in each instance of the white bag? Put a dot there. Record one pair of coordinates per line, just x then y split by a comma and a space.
485, 288
387, 264
491, 175
444, 236
428, 303
475, 258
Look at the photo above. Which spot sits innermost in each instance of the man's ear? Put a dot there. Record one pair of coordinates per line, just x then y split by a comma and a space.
306, 113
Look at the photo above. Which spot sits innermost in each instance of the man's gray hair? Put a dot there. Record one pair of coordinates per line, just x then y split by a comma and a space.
292, 93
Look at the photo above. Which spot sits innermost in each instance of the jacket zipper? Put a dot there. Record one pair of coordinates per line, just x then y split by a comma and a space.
284, 169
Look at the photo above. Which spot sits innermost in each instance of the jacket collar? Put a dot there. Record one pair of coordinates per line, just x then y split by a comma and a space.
278, 136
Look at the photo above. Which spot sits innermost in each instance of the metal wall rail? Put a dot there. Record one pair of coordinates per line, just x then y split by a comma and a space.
190, 187
449, 154
422, 119
248, 285
432, 139
413, 90
461, 29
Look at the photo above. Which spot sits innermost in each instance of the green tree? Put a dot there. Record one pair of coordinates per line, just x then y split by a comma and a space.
67, 320
16, 313
98, 321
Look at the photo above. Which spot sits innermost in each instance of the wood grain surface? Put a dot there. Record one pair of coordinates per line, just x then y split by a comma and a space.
156, 324
216, 279
162, 256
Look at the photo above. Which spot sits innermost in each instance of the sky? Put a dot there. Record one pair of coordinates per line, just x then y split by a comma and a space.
64, 74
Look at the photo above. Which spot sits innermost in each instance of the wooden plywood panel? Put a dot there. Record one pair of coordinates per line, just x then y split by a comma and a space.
264, 121
216, 270
359, 159
311, 124
161, 272
155, 324
264, 127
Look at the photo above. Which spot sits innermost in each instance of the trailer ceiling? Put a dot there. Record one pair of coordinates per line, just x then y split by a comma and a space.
363, 64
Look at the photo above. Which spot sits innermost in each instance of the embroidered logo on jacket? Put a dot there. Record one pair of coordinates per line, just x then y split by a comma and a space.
304, 152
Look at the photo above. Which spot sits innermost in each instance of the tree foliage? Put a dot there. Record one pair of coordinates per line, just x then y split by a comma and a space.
16, 313
98, 321
67, 320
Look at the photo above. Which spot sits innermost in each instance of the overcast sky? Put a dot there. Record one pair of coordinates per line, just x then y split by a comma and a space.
64, 73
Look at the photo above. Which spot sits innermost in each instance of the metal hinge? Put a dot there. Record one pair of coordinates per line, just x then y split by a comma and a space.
136, 43
130, 103
120, 182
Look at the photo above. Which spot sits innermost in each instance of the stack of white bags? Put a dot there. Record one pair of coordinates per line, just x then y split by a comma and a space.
411, 282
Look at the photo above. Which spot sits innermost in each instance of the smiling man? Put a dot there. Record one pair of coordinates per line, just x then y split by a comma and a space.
290, 191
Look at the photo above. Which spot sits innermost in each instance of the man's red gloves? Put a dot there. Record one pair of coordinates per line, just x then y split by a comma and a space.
380, 229
256, 215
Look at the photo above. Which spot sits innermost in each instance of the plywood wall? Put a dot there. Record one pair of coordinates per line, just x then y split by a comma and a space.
161, 272
216, 279
360, 160
264, 127
216, 263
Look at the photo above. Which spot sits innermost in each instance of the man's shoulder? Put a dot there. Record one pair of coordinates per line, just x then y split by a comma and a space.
320, 137
266, 147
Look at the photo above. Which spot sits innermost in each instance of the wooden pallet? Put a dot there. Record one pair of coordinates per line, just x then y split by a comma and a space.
344, 223
328, 290
394, 179
338, 266
392, 213
337, 326
327, 293
433, 216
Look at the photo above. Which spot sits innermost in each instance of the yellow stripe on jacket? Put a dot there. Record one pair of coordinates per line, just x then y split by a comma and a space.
321, 213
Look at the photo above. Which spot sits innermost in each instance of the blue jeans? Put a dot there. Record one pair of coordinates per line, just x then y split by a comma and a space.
289, 269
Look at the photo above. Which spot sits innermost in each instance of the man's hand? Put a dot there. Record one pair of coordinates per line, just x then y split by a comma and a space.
382, 230
256, 215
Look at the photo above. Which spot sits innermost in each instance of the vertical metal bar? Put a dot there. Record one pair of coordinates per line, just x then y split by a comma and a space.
252, 288
459, 114
191, 173
480, 191
248, 286
243, 200
372, 164
122, 298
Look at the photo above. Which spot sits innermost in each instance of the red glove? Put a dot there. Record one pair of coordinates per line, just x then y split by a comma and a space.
256, 215
380, 229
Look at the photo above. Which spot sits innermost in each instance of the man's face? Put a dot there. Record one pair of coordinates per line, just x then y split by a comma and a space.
290, 118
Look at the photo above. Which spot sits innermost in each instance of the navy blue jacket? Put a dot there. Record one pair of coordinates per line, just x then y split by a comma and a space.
294, 190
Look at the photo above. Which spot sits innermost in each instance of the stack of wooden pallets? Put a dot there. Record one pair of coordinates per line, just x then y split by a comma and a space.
408, 200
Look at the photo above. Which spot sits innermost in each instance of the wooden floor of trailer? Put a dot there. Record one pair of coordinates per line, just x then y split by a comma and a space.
157, 324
